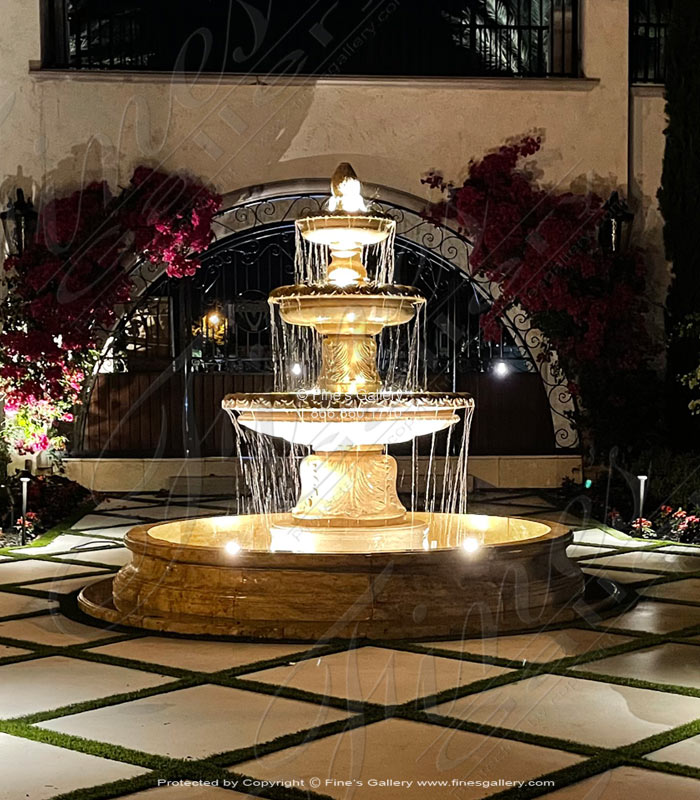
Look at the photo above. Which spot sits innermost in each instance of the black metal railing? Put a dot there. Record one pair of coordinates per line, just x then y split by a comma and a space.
648, 26
454, 38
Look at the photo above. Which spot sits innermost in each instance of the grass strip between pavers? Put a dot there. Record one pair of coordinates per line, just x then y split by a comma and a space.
211, 768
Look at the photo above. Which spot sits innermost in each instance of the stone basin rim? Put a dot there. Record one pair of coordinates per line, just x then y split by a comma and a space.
140, 540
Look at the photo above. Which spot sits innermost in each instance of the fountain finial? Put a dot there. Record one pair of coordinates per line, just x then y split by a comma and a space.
346, 190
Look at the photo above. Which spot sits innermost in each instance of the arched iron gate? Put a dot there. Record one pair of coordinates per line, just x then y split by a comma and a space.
184, 343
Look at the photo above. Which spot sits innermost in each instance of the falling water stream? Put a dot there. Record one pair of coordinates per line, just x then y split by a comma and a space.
432, 481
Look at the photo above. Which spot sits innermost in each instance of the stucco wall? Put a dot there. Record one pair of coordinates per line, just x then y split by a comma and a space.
61, 129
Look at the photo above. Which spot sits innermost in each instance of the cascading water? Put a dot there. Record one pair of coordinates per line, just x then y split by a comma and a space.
350, 382
323, 544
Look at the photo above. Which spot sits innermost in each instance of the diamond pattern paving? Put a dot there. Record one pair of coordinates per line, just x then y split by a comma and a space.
687, 590
376, 675
517, 724
25, 690
627, 782
673, 664
585, 711
40, 771
685, 752
396, 751
196, 722
197, 655
13, 604
653, 617
189, 791
535, 647
16, 572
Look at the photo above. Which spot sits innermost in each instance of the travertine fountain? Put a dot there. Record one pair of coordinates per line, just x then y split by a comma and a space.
348, 559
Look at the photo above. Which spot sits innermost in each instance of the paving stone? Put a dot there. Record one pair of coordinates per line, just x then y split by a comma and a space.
675, 664
181, 791
197, 721
663, 562
592, 712
179, 511
598, 536
682, 549
7, 652
107, 525
685, 752
377, 675
125, 503
22, 571
113, 556
53, 629
652, 617
43, 684
617, 575
12, 604
624, 783
94, 523
65, 541
402, 750
535, 647
687, 589
201, 656
582, 550
67, 585
40, 771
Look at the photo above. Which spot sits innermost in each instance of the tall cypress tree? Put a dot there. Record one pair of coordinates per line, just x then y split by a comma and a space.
679, 200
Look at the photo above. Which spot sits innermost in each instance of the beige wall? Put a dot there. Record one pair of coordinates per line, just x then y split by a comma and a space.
61, 129
64, 128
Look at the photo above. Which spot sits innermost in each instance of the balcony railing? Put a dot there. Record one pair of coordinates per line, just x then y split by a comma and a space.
648, 26
453, 38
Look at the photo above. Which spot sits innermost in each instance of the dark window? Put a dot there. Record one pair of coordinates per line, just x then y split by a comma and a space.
648, 25
290, 37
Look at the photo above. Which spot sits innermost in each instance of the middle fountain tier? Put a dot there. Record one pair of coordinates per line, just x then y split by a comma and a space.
347, 417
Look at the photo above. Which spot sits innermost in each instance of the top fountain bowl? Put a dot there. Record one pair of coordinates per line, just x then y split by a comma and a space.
346, 230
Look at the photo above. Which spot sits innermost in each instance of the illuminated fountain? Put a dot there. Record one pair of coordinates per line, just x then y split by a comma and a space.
348, 559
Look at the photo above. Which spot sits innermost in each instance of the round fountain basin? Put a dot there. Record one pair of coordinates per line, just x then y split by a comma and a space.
331, 421
267, 577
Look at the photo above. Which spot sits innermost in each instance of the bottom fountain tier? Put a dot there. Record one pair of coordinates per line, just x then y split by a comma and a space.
271, 577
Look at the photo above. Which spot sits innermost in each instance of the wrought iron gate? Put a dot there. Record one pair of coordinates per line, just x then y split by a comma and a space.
180, 333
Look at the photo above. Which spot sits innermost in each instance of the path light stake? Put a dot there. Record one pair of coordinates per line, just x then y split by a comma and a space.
642, 491
25, 484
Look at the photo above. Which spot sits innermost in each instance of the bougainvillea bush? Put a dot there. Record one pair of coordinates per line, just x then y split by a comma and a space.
541, 247
64, 288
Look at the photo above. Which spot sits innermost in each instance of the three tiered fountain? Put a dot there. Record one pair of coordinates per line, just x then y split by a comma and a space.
348, 559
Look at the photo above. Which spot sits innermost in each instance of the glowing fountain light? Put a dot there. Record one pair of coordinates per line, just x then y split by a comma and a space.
346, 191
232, 547
470, 545
501, 369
